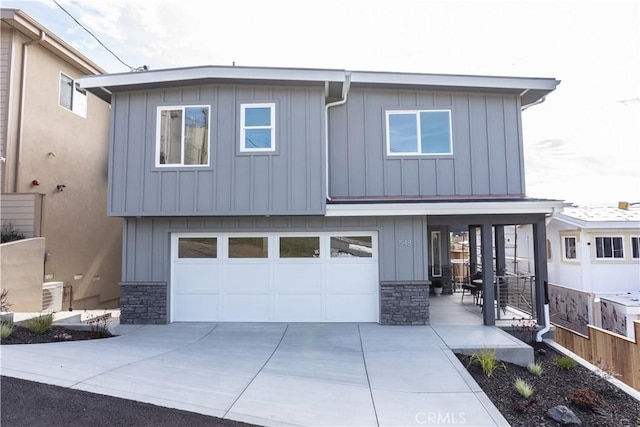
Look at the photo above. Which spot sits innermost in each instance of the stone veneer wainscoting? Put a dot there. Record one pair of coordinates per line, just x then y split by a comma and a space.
404, 303
143, 303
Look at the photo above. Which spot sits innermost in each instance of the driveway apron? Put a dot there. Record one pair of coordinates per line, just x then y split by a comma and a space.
315, 374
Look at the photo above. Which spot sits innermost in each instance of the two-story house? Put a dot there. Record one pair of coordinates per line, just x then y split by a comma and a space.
312, 195
594, 269
53, 172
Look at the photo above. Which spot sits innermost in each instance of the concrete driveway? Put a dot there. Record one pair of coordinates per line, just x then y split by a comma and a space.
342, 374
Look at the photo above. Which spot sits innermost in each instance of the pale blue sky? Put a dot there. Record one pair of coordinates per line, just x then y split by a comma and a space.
582, 144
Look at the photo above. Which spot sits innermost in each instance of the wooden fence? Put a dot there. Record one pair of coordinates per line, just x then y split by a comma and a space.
616, 354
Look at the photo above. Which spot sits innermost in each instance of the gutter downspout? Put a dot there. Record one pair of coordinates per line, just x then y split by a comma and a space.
23, 84
345, 92
533, 104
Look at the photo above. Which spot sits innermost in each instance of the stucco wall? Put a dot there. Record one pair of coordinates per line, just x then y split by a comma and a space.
61, 147
21, 273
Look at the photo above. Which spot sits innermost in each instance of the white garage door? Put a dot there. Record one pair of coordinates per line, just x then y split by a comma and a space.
274, 277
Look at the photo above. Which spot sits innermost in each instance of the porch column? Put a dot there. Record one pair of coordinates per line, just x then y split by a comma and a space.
540, 259
473, 250
501, 260
501, 267
488, 314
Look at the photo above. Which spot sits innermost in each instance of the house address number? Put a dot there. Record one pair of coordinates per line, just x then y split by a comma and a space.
404, 242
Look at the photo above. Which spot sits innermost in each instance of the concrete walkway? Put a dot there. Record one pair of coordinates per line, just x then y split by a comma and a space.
271, 373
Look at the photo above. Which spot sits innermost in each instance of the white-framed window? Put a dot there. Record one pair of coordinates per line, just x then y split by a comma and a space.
418, 132
72, 96
257, 127
436, 254
609, 248
635, 247
569, 248
182, 136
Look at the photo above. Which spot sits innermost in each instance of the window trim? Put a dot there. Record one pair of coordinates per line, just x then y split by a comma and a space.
243, 128
75, 87
435, 235
612, 258
159, 110
565, 247
417, 112
637, 239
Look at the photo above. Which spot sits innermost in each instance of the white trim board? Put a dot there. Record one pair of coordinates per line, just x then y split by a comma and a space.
446, 208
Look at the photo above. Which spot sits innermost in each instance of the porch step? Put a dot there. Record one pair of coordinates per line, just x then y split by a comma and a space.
469, 339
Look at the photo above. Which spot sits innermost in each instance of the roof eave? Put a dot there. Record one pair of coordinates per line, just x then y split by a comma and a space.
530, 89
20, 21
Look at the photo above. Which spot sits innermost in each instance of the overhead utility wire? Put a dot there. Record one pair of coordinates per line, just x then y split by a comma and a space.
144, 67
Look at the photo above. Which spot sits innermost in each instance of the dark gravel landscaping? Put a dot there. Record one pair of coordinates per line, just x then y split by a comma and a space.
611, 406
27, 403
21, 335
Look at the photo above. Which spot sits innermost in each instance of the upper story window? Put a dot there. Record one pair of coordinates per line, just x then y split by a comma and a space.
609, 248
635, 247
183, 136
257, 127
419, 132
72, 96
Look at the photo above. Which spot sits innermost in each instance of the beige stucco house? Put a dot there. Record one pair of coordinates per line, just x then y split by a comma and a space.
53, 176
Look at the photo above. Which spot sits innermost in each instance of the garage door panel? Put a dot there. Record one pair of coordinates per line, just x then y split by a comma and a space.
195, 307
293, 277
246, 277
298, 308
246, 308
352, 277
352, 308
196, 277
298, 277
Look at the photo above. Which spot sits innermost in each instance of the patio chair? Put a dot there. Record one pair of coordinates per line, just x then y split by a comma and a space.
471, 289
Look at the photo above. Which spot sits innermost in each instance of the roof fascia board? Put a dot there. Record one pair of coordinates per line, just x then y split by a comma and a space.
518, 85
26, 25
451, 80
467, 208
594, 225
212, 72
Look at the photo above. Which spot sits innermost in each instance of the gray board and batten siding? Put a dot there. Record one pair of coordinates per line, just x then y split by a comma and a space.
487, 157
288, 181
146, 251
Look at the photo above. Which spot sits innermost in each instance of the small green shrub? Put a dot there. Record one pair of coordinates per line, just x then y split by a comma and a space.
6, 328
585, 398
487, 360
100, 325
535, 369
39, 324
565, 363
4, 301
10, 233
523, 388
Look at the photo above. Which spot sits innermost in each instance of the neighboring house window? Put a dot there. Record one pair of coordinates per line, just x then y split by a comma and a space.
569, 248
183, 136
549, 257
609, 247
257, 127
421, 132
436, 255
635, 247
72, 96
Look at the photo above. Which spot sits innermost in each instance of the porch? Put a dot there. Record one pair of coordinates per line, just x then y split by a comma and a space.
460, 325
